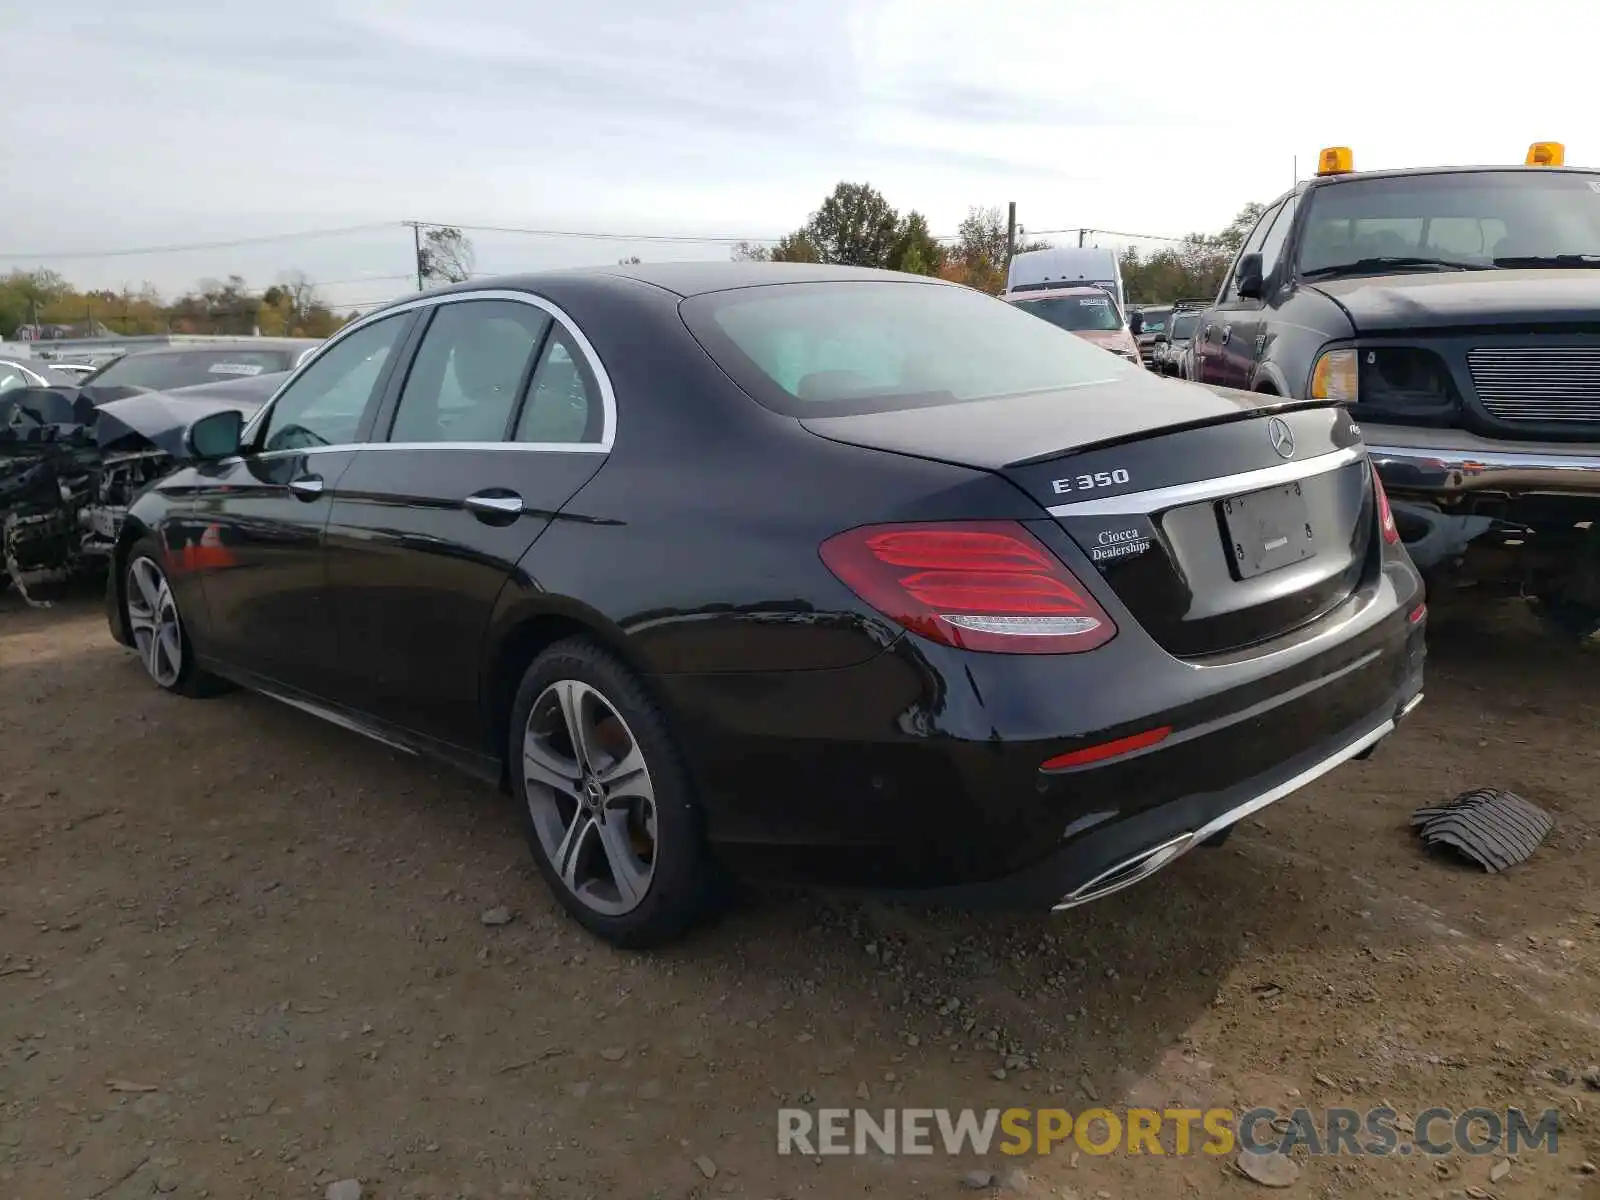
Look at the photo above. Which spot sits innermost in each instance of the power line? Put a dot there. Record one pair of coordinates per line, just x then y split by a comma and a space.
222, 245
1149, 237
363, 279
597, 236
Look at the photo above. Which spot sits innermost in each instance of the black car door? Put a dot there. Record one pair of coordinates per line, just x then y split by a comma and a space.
255, 522
1224, 345
500, 419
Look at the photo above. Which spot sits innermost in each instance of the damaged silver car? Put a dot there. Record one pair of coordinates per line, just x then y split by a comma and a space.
69, 468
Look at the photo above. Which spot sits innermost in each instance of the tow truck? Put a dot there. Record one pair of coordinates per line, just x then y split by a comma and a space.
1456, 312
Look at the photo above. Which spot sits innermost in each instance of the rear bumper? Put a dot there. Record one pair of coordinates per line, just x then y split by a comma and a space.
920, 773
1134, 850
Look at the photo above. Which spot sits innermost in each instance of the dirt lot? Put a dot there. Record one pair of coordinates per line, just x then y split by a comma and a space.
242, 955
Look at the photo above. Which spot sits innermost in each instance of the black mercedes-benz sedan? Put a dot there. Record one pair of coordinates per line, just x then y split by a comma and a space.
836, 576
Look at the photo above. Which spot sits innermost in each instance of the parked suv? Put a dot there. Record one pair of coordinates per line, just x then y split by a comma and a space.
1456, 311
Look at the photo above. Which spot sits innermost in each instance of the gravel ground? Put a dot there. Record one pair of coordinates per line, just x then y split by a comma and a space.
243, 954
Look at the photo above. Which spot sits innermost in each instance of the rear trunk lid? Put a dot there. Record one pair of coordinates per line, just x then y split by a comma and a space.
1220, 519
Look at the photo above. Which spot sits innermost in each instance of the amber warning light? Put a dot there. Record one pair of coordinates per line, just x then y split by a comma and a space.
1335, 160
1546, 154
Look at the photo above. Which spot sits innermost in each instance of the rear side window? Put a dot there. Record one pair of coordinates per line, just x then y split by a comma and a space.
809, 349
563, 402
469, 371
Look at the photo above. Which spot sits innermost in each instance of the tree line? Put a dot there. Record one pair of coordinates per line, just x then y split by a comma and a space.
855, 225
44, 305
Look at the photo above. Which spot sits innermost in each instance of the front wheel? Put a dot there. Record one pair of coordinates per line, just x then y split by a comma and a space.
158, 631
606, 800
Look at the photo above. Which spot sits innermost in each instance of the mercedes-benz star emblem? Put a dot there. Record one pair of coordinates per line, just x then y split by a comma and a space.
1281, 437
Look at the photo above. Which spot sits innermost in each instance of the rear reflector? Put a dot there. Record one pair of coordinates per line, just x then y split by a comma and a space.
1127, 745
1417, 614
977, 585
1385, 514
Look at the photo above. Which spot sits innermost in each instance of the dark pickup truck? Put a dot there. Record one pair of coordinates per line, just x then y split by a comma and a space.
1456, 311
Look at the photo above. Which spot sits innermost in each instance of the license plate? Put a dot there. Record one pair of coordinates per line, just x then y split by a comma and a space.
1268, 530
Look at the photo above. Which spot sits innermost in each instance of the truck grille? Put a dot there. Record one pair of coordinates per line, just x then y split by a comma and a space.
1538, 384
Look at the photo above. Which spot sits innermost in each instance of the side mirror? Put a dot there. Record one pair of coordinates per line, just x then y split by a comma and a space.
214, 436
1163, 338
1136, 323
1247, 275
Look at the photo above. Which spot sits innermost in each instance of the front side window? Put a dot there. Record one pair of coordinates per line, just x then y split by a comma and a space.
1183, 326
12, 378
1077, 312
469, 371
819, 349
324, 405
1252, 245
1514, 218
1272, 244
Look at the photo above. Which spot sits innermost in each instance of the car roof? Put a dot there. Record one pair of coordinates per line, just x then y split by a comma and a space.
689, 278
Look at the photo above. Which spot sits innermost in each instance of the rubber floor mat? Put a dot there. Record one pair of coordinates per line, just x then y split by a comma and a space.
1493, 828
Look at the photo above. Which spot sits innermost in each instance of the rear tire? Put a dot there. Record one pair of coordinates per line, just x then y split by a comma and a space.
605, 797
160, 638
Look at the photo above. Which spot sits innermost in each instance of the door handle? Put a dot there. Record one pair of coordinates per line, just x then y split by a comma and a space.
495, 504
1227, 332
308, 487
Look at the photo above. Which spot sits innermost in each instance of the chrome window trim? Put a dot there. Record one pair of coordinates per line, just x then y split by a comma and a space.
352, 447
608, 396
1138, 503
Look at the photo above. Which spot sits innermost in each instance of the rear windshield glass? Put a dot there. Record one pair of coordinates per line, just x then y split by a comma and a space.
1076, 312
1155, 319
1183, 326
809, 349
165, 371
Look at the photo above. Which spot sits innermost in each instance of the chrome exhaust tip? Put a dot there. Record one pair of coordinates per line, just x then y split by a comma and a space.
1126, 873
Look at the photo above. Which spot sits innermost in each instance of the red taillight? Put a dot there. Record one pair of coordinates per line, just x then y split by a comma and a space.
1089, 754
979, 585
1385, 513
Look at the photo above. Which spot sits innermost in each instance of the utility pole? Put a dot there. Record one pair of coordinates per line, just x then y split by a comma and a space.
416, 243
1011, 231
1297, 169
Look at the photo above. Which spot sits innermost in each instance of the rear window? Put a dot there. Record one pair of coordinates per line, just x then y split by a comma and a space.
162, 372
808, 349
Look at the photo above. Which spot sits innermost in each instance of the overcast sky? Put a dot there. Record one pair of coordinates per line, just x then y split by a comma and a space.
168, 122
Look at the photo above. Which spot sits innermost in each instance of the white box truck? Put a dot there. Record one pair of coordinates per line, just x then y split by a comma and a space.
1066, 267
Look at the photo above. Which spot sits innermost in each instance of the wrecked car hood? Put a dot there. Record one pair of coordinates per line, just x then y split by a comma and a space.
136, 420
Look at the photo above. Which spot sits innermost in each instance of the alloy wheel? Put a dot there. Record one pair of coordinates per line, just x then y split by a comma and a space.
590, 796
153, 620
